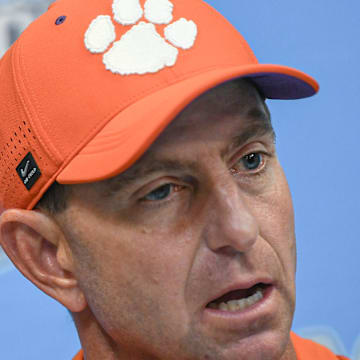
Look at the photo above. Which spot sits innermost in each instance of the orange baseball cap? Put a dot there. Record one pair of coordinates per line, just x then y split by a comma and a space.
89, 86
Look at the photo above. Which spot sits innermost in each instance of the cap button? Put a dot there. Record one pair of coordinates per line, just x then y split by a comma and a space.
60, 20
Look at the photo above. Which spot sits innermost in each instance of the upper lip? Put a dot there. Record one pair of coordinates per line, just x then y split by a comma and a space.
241, 285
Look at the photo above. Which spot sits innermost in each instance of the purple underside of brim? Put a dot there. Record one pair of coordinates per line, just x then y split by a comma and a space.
281, 86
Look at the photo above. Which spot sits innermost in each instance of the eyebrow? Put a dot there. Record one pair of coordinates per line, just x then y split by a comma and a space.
258, 124
138, 171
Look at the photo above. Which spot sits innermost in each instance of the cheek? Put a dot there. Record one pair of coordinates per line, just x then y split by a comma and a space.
136, 270
286, 215
275, 214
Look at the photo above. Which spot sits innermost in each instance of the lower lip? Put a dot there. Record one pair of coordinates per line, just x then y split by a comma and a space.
263, 308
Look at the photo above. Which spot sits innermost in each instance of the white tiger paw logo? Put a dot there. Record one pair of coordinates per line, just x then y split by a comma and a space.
141, 50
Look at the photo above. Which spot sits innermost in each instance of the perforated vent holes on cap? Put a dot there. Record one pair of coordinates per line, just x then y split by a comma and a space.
12, 153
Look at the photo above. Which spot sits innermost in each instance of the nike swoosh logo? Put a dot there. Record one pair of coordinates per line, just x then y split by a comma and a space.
26, 169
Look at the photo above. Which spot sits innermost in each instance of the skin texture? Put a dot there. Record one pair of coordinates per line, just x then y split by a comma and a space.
137, 272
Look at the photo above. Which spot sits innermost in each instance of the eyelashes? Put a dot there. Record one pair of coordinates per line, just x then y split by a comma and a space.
162, 192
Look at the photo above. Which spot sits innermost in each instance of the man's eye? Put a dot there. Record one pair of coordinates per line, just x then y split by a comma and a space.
252, 161
160, 193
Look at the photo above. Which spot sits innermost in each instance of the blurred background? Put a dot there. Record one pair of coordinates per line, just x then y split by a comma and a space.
318, 145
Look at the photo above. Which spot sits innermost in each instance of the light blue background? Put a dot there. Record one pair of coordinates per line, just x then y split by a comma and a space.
318, 144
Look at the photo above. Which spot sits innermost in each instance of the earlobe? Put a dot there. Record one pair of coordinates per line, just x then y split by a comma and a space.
36, 245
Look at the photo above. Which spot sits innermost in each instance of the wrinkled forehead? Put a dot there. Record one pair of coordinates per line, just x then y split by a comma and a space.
235, 96
238, 100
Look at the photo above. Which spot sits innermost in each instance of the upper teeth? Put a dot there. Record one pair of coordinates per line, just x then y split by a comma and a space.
236, 305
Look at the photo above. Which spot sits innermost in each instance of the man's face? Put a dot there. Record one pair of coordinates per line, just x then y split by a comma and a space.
203, 219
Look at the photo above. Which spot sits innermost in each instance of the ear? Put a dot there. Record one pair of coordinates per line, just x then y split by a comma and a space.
36, 245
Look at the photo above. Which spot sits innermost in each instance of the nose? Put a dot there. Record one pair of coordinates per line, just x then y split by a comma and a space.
231, 225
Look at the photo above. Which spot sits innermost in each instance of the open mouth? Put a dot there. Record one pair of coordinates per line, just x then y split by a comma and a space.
238, 300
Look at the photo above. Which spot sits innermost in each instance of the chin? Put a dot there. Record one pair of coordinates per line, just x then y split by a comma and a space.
269, 345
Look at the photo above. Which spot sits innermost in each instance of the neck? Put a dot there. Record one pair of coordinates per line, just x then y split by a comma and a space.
289, 353
95, 343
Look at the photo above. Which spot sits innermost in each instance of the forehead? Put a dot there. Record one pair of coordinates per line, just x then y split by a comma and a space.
237, 104
229, 97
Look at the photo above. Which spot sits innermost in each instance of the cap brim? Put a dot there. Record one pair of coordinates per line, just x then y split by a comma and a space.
129, 134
